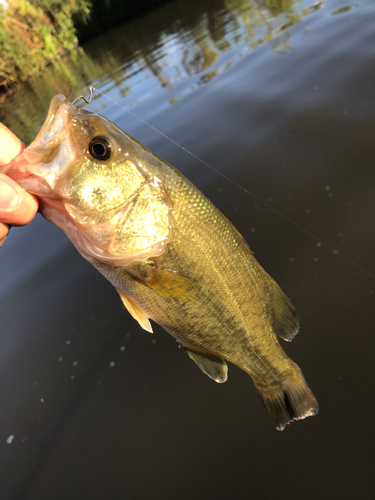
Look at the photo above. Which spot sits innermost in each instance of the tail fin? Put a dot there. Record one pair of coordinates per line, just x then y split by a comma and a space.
290, 400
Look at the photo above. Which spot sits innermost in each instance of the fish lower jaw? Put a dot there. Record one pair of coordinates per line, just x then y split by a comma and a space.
30, 182
33, 177
38, 186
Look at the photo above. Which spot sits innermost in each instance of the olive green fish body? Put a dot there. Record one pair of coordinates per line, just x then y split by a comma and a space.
171, 254
211, 294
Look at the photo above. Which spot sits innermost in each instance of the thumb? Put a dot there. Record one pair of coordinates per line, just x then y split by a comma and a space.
17, 207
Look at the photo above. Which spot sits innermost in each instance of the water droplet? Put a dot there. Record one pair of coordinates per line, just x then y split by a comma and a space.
41, 400
60, 358
315, 259
68, 342
318, 244
112, 364
291, 259
10, 439
72, 377
328, 188
75, 363
122, 348
253, 229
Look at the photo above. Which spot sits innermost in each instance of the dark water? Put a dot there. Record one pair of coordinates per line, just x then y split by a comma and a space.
279, 97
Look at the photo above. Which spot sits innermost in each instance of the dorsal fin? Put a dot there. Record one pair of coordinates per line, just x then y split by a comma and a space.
137, 313
213, 366
285, 320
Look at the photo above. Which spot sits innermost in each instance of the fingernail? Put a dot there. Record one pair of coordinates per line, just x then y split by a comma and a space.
10, 199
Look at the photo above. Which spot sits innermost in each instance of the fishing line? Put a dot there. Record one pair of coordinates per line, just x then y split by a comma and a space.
234, 183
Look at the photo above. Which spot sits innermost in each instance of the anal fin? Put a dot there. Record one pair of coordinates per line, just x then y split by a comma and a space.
213, 366
285, 321
137, 313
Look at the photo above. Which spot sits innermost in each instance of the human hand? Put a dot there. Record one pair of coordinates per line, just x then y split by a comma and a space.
17, 207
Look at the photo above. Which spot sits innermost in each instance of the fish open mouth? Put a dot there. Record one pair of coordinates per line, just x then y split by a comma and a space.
54, 130
40, 166
49, 136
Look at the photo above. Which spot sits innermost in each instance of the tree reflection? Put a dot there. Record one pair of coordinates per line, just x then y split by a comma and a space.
195, 41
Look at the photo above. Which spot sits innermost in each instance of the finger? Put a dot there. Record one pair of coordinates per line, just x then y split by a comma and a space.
10, 145
17, 207
4, 230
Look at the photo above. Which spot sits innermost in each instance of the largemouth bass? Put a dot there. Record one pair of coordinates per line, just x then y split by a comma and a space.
171, 254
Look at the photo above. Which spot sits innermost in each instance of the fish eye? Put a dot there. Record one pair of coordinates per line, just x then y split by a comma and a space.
100, 148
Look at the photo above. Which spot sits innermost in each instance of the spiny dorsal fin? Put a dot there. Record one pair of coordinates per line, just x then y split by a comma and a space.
135, 311
213, 366
285, 320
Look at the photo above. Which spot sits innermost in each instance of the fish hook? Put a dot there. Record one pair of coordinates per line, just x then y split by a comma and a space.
87, 101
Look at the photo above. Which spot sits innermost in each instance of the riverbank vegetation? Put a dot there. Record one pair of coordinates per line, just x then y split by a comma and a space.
34, 32
195, 42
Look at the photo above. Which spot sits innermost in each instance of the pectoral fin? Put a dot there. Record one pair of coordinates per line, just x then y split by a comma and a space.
213, 366
170, 284
135, 311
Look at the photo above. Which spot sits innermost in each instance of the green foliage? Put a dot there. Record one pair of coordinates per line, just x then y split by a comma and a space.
276, 7
341, 10
24, 111
35, 32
